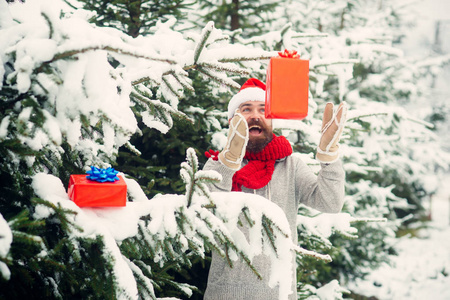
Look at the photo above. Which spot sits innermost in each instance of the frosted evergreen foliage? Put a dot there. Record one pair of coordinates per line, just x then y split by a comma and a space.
66, 97
88, 103
147, 236
71, 91
392, 157
5, 245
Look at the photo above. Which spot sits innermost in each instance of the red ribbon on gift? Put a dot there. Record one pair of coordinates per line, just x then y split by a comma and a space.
289, 54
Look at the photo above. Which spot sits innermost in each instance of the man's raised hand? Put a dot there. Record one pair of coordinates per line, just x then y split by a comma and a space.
332, 126
234, 151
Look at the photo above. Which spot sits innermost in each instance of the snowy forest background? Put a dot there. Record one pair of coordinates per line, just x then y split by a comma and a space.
143, 86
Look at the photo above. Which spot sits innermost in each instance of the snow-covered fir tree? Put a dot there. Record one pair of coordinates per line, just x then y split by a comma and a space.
68, 107
391, 168
74, 94
390, 164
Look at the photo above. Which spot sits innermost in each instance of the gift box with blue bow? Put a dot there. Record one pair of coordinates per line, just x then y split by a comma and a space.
100, 188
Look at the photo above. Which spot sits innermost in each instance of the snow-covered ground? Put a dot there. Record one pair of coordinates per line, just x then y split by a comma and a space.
421, 271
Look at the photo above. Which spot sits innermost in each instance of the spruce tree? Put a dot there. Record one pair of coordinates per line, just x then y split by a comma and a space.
250, 17
67, 108
160, 96
383, 144
135, 17
352, 50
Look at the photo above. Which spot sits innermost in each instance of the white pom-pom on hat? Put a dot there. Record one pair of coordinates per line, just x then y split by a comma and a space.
252, 90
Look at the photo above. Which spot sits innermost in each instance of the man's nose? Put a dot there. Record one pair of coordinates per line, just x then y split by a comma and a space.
255, 114
255, 117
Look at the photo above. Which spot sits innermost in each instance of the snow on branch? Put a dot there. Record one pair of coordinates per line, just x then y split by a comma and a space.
64, 52
323, 225
248, 57
328, 62
161, 232
399, 112
324, 257
206, 32
219, 77
66, 61
194, 179
434, 61
161, 112
224, 68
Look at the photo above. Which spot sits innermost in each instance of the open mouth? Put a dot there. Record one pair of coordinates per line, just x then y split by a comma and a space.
255, 130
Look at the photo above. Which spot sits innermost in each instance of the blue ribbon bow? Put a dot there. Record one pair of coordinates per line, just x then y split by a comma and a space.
102, 175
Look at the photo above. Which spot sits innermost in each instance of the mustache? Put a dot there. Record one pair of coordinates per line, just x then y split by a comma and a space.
257, 123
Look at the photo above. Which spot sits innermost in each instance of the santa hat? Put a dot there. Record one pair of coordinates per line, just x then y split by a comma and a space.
251, 90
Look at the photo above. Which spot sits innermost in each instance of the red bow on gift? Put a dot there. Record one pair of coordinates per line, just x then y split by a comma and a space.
212, 154
289, 54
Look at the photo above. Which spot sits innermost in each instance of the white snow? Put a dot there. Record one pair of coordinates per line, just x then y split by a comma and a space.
116, 224
421, 270
4, 127
5, 244
89, 86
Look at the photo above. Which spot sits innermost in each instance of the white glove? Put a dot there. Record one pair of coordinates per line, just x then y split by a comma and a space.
234, 151
332, 126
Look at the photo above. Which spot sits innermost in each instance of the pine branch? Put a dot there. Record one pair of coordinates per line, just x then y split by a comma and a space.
239, 58
309, 35
324, 63
269, 233
178, 75
193, 167
367, 220
50, 25
347, 234
141, 279
195, 179
223, 80
182, 220
302, 251
132, 148
171, 88
73, 52
224, 68
156, 104
61, 214
167, 245
206, 32
228, 244
227, 255
28, 239
202, 189
188, 177
209, 245
285, 29
424, 123
246, 213
147, 79
220, 39
231, 245
183, 82
146, 238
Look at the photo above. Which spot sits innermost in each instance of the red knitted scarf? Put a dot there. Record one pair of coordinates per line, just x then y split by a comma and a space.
258, 172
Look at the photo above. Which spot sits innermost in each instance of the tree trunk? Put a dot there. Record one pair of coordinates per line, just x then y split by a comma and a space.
134, 9
235, 15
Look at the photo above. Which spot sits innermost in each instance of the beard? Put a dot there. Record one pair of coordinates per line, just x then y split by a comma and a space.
257, 143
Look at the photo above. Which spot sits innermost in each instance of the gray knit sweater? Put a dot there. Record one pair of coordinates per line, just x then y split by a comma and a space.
293, 183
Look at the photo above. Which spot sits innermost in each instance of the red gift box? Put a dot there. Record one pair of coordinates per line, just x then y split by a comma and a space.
85, 192
287, 87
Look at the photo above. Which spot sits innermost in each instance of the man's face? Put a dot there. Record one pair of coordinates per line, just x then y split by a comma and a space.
260, 128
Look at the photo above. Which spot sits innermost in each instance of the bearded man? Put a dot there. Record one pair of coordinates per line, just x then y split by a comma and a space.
257, 161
